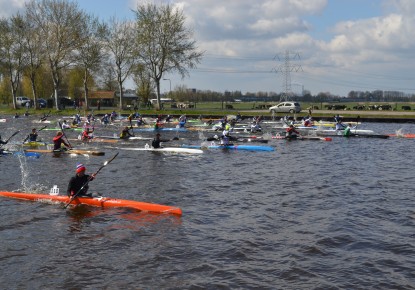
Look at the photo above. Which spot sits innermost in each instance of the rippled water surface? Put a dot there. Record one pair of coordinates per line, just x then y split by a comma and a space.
310, 215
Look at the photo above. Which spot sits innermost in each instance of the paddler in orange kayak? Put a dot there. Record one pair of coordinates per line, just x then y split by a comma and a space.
79, 183
58, 141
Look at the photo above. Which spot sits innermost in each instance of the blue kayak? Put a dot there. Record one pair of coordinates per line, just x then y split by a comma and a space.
232, 147
159, 129
27, 154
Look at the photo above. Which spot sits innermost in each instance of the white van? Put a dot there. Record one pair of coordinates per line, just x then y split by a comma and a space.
21, 101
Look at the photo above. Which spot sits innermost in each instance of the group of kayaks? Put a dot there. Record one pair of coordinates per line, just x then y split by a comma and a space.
319, 134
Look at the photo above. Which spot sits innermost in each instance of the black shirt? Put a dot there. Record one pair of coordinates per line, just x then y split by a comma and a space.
76, 183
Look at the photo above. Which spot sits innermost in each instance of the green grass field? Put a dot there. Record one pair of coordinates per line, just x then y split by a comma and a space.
221, 109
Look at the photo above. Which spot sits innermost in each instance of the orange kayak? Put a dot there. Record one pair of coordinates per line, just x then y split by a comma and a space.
104, 202
403, 135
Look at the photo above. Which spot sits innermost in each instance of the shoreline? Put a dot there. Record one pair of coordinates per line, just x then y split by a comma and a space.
325, 115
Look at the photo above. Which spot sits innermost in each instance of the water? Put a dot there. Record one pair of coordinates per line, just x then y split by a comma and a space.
310, 215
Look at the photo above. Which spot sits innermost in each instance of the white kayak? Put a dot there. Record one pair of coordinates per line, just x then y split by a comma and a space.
167, 149
340, 132
129, 138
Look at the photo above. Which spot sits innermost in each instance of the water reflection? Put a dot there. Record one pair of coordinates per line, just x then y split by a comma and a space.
121, 218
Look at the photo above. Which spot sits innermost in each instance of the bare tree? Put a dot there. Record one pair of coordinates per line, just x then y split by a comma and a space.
163, 42
61, 23
120, 43
35, 52
12, 52
91, 51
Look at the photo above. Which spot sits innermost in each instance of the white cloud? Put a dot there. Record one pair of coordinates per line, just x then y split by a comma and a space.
10, 7
246, 35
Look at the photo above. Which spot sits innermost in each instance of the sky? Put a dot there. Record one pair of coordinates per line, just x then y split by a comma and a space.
333, 46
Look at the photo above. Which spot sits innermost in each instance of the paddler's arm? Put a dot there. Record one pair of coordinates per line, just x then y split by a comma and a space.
67, 144
69, 191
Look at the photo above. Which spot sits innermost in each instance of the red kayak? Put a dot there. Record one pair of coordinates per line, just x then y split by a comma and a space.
96, 201
402, 135
316, 138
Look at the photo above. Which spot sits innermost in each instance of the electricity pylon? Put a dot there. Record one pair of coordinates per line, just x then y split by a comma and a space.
285, 69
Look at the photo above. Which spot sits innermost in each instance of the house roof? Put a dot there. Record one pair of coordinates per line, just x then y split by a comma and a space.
102, 95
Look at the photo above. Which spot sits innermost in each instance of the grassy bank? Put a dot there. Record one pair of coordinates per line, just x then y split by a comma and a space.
217, 109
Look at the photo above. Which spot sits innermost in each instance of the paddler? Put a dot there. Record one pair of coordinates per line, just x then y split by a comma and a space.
65, 125
80, 181
291, 133
225, 138
168, 118
130, 119
33, 135
86, 134
347, 132
125, 133
158, 124
140, 121
2, 142
340, 126
156, 143
58, 141
182, 121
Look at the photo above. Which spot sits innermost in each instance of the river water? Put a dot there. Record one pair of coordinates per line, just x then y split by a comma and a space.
309, 215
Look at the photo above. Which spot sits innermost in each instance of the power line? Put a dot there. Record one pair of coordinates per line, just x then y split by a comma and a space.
286, 68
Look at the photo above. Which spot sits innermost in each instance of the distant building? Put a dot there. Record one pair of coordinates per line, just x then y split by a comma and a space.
107, 98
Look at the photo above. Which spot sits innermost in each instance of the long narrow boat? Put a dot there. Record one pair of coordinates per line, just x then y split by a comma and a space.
104, 202
71, 151
167, 149
311, 138
94, 139
238, 139
34, 143
232, 147
18, 153
402, 135
117, 138
159, 129
66, 129
368, 136
332, 132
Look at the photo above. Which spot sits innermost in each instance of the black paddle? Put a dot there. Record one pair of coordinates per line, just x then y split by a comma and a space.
44, 127
45, 116
14, 134
63, 132
90, 178
357, 123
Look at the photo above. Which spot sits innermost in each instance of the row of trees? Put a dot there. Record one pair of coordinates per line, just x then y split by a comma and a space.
56, 36
183, 94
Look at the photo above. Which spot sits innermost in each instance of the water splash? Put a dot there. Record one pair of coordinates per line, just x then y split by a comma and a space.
399, 133
26, 183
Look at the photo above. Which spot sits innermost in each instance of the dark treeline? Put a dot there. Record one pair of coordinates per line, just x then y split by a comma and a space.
183, 94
